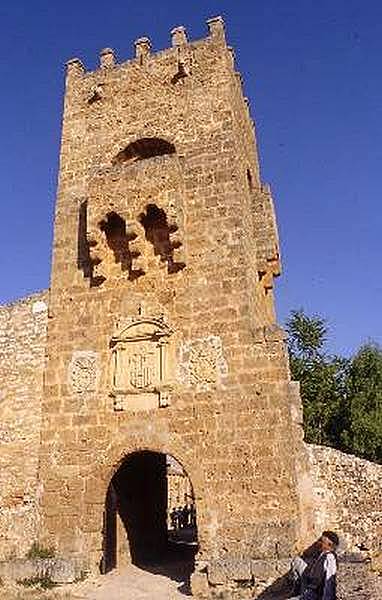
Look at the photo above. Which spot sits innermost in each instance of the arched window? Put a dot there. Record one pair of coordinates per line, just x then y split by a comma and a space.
144, 148
160, 233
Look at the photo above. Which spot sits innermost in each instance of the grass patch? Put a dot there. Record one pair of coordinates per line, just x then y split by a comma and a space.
44, 582
37, 551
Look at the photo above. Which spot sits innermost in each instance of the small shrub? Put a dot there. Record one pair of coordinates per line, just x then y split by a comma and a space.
37, 551
82, 576
43, 582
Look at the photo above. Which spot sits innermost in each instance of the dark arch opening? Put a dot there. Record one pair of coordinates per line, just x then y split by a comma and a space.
249, 180
153, 517
144, 148
158, 231
114, 228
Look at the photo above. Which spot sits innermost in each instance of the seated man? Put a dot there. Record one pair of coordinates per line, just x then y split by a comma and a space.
315, 571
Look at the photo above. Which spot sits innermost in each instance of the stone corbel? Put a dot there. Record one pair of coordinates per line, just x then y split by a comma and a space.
268, 271
97, 252
136, 247
164, 392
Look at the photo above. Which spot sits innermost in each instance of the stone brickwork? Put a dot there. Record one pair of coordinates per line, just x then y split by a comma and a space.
348, 493
22, 360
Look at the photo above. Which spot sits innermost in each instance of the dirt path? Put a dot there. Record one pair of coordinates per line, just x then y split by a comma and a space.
166, 582
356, 582
133, 583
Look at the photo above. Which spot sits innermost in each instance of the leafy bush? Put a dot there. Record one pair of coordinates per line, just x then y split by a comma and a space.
37, 551
44, 582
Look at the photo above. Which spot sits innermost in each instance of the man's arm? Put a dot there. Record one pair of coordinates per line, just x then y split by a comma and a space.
330, 570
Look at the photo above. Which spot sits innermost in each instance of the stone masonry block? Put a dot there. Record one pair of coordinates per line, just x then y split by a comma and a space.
199, 586
229, 569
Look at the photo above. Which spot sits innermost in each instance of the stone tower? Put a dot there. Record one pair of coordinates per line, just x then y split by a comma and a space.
162, 337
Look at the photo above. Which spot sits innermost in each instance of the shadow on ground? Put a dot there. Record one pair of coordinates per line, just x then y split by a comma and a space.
280, 589
177, 563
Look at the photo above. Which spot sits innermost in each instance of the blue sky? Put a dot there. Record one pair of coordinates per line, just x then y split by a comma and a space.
312, 71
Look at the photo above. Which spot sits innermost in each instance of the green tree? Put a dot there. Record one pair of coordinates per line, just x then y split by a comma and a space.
363, 434
342, 398
321, 377
306, 335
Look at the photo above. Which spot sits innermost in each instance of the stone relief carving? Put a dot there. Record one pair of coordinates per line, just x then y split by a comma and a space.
83, 371
141, 364
202, 362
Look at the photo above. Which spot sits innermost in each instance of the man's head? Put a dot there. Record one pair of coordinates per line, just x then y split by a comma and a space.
328, 541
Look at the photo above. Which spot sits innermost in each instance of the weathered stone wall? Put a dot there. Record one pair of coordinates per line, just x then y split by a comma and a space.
22, 359
348, 492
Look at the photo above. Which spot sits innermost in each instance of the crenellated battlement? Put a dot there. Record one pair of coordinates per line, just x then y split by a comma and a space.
143, 48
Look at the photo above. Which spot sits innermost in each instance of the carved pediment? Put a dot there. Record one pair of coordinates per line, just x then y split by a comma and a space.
147, 328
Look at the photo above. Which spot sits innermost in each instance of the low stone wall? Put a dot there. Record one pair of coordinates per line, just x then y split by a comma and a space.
347, 492
22, 360
56, 570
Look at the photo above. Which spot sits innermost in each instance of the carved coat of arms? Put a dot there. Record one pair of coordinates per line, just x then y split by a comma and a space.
142, 370
83, 371
140, 366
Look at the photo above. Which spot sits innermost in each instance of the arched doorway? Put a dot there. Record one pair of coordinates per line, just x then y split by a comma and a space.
150, 515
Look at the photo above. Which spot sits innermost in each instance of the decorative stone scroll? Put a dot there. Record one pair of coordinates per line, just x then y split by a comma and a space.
83, 371
141, 362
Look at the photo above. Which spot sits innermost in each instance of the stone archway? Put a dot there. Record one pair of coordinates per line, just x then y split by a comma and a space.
146, 522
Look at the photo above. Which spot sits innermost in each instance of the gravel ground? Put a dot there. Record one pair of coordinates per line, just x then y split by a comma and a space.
356, 581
